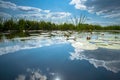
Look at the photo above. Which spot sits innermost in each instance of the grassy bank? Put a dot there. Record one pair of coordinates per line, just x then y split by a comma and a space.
27, 25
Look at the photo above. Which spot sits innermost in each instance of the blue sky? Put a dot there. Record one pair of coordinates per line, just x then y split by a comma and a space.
103, 12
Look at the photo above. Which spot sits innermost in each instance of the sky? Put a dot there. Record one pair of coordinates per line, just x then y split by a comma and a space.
100, 12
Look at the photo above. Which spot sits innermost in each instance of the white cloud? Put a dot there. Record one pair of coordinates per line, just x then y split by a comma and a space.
34, 13
52, 15
31, 15
47, 15
10, 5
79, 4
7, 4
28, 8
108, 8
6, 15
46, 11
58, 14
112, 15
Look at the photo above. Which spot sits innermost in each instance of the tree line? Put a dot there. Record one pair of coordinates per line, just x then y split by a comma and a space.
22, 24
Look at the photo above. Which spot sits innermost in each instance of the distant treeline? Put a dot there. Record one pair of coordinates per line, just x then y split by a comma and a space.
21, 24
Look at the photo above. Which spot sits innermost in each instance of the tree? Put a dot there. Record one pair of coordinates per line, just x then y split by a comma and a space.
9, 25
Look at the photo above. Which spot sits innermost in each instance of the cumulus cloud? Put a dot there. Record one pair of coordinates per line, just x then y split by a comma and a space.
32, 75
79, 4
33, 12
100, 7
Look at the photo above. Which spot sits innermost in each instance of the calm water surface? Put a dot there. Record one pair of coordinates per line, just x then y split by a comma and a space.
61, 55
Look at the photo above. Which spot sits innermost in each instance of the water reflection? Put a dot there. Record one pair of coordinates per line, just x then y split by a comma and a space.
100, 50
36, 74
16, 44
57, 78
32, 75
109, 59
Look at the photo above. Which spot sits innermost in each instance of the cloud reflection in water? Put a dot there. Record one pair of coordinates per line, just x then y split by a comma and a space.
32, 75
29, 43
107, 58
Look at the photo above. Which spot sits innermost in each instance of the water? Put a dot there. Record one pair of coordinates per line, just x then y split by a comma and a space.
61, 55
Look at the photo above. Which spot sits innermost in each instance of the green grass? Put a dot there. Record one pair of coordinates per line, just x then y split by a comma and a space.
26, 25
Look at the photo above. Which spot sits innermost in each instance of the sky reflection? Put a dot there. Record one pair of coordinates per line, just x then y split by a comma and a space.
32, 75
101, 50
